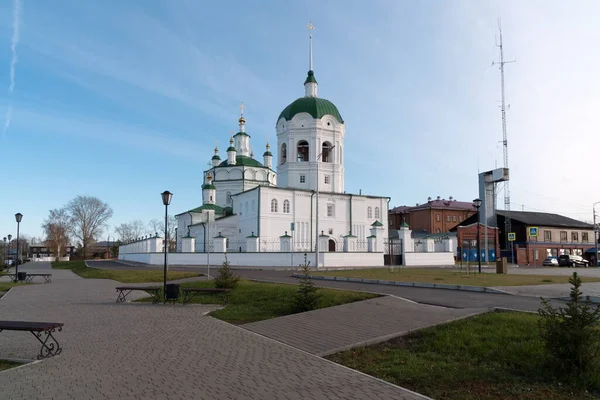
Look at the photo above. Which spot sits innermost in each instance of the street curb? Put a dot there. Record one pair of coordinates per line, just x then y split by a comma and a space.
465, 288
592, 299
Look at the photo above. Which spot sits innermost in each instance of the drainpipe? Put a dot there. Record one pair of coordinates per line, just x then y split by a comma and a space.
311, 219
191, 223
350, 230
258, 220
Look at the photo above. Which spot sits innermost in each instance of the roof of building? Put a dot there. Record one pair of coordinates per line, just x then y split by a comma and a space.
242, 160
441, 204
544, 219
216, 208
315, 106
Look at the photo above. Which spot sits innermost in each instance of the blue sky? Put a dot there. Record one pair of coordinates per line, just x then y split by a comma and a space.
124, 99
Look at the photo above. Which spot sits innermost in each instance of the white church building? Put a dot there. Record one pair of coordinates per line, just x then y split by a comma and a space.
261, 214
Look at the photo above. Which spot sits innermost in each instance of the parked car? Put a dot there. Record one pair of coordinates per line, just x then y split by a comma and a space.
550, 262
568, 260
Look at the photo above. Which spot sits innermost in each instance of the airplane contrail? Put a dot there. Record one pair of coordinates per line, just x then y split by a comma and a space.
17, 6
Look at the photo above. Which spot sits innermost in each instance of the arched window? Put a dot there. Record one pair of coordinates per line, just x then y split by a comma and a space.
369, 212
377, 212
286, 206
228, 198
274, 205
327, 153
302, 151
283, 154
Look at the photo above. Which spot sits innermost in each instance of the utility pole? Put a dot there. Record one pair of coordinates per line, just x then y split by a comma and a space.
507, 222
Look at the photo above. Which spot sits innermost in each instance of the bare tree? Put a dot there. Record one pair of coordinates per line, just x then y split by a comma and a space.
130, 230
158, 226
56, 228
88, 216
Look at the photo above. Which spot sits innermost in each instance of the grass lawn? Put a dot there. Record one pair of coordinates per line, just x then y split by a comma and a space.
453, 277
7, 365
4, 286
256, 301
125, 276
491, 356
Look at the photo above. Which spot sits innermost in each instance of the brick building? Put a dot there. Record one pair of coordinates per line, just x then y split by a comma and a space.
556, 235
434, 216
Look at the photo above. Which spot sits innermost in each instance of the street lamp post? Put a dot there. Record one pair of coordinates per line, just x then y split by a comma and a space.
166, 199
9, 239
477, 204
596, 233
18, 218
4, 253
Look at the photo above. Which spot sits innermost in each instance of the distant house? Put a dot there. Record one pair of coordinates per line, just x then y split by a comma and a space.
42, 252
434, 216
104, 249
538, 235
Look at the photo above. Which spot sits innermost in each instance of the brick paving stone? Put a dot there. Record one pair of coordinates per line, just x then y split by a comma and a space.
145, 351
333, 329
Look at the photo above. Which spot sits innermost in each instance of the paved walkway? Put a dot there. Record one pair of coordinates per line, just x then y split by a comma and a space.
143, 351
333, 329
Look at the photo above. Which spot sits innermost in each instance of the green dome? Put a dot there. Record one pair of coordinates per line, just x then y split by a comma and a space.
314, 106
208, 186
243, 160
216, 157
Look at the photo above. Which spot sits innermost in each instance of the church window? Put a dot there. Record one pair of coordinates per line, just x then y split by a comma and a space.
302, 178
211, 198
437, 217
454, 218
228, 198
369, 212
246, 207
274, 205
330, 210
327, 179
376, 212
302, 151
283, 154
447, 218
326, 152
286, 206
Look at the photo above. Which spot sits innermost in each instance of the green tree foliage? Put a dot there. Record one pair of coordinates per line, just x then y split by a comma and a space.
571, 334
226, 278
307, 296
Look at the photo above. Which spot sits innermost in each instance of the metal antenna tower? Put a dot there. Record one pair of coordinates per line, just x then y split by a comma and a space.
507, 225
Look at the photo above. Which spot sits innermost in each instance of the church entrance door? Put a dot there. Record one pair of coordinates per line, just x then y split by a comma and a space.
331, 245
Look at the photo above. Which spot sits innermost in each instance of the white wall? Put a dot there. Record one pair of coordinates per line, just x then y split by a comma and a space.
328, 260
428, 259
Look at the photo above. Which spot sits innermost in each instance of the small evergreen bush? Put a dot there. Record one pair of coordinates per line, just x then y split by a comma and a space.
226, 278
307, 296
571, 334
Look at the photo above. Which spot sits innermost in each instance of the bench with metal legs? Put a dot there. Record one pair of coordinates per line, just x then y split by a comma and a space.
42, 331
153, 291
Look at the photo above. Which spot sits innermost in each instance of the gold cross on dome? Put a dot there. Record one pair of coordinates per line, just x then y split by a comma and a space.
242, 107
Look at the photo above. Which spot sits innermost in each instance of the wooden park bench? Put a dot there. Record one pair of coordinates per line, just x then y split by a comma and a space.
29, 277
189, 293
153, 291
41, 330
